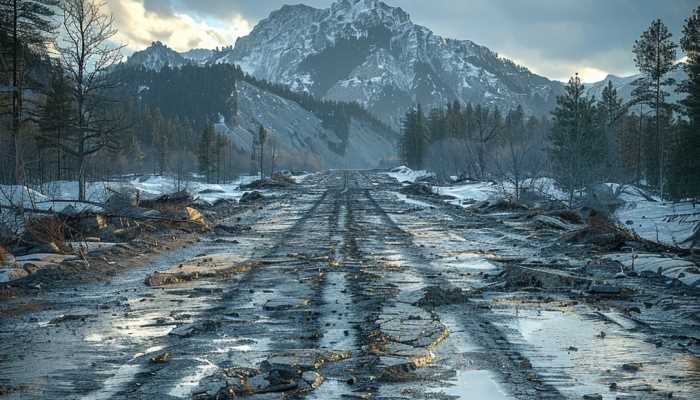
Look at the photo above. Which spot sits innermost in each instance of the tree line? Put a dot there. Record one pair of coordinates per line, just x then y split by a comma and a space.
647, 140
70, 110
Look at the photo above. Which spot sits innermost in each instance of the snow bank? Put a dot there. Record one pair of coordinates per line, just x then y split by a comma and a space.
649, 217
468, 193
57, 195
405, 174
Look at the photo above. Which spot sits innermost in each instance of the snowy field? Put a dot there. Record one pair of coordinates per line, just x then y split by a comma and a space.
54, 194
644, 214
57, 196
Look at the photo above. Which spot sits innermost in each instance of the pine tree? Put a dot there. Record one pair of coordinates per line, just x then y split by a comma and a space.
577, 141
30, 28
54, 116
414, 138
655, 55
206, 146
262, 138
611, 110
686, 160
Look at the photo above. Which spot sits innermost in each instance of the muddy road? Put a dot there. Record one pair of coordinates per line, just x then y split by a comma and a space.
354, 291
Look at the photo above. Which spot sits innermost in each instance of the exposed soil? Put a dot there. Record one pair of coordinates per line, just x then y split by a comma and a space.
340, 288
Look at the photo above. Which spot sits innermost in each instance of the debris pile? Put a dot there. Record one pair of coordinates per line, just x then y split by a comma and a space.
288, 373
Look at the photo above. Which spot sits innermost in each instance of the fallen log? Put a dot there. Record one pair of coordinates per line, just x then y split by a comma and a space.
110, 215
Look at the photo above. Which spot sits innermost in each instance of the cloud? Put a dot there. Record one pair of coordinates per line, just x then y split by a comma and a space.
140, 23
555, 38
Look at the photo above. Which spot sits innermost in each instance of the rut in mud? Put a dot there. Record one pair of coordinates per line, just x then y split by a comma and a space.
356, 292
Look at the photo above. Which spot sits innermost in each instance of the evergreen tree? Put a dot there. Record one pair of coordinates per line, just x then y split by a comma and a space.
54, 116
611, 110
262, 138
577, 141
655, 55
29, 26
686, 161
206, 147
414, 138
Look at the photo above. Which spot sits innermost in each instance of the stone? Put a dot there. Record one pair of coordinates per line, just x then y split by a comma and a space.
313, 378
595, 396
251, 197
12, 274
161, 358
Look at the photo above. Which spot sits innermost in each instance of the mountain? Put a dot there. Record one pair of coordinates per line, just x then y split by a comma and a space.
306, 132
303, 139
157, 56
624, 86
369, 52
198, 56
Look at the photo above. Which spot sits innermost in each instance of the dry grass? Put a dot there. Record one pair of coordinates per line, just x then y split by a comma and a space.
3, 255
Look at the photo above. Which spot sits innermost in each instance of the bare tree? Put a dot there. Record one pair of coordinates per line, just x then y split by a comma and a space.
487, 127
87, 53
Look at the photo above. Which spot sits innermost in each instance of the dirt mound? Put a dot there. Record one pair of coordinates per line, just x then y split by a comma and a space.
435, 296
600, 232
499, 205
251, 197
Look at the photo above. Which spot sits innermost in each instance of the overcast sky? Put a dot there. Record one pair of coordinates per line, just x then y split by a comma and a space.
554, 38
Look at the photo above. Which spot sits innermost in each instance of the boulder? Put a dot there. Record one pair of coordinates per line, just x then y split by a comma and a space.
251, 197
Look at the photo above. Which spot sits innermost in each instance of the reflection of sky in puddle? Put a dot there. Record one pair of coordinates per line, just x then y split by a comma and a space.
331, 389
336, 301
183, 389
548, 335
473, 385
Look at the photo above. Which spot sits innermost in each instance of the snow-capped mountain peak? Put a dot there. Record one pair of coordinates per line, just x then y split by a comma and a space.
372, 53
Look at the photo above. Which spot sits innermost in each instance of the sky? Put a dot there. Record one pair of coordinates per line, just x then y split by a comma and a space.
554, 38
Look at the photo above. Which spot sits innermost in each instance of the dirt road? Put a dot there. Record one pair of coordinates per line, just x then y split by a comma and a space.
357, 292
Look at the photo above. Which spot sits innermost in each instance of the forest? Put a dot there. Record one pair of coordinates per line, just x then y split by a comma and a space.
646, 140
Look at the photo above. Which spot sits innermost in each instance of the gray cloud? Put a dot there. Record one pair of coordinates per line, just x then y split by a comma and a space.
553, 37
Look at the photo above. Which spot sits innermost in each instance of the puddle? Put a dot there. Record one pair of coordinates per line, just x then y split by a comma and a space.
567, 351
470, 385
183, 389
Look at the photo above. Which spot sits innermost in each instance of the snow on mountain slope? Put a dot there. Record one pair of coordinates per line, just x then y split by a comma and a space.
367, 51
300, 135
624, 86
157, 56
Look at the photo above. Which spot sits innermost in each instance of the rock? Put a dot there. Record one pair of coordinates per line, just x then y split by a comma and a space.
251, 197
284, 303
12, 274
631, 367
437, 296
31, 268
121, 201
604, 289
161, 358
194, 215
595, 396
417, 189
188, 330
553, 222
314, 379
